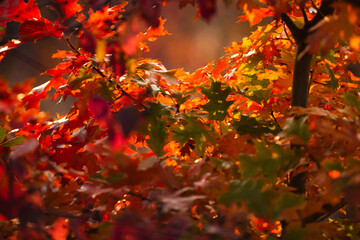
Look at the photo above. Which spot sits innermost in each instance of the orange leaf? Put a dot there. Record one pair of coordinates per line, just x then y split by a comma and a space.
60, 229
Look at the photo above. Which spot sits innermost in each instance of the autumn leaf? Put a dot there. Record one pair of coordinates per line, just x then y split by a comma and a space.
2, 134
13, 142
217, 105
234, 150
191, 129
18, 11
254, 126
32, 30
297, 129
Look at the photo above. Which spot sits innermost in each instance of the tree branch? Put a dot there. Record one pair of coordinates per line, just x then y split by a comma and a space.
96, 69
306, 20
324, 10
295, 31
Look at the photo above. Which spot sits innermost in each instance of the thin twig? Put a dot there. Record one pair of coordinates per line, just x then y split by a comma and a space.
287, 34
96, 69
306, 20
325, 9
311, 78
139, 196
71, 45
60, 214
295, 31
320, 83
276, 122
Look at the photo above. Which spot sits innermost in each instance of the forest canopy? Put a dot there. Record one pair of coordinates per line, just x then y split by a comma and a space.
262, 143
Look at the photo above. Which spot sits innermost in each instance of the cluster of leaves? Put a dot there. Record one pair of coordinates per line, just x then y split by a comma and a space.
151, 153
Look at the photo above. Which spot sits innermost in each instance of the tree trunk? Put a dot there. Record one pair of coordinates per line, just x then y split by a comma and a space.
300, 86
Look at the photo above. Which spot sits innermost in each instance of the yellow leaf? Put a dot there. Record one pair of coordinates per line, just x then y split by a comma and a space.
100, 49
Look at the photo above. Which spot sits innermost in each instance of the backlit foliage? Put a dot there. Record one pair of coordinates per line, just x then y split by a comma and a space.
151, 153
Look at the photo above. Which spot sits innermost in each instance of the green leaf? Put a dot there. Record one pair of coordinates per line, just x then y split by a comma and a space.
334, 82
297, 127
217, 106
254, 60
2, 134
254, 126
180, 97
295, 234
2, 28
269, 162
115, 177
250, 191
158, 134
14, 142
352, 100
75, 82
255, 89
191, 129
285, 200
105, 92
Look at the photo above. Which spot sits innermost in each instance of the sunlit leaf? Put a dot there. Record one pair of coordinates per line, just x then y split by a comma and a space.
334, 82
254, 126
158, 135
217, 105
352, 100
257, 199
2, 134
298, 128
191, 129
14, 142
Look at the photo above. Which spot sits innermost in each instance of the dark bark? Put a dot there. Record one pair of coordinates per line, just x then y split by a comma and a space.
300, 86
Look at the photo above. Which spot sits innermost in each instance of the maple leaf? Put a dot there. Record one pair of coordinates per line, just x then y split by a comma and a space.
91, 170
35, 29
253, 13
176, 202
128, 118
18, 11
254, 126
207, 8
217, 105
33, 98
69, 8
150, 11
99, 107
7, 47
298, 129
87, 42
191, 129
158, 135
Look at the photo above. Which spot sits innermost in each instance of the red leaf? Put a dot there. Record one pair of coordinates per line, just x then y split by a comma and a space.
207, 8
87, 42
59, 229
150, 11
32, 100
36, 29
7, 47
99, 107
255, 15
128, 118
18, 11
69, 7
221, 65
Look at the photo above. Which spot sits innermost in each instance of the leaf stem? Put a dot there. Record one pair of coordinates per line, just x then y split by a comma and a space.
275, 120
96, 69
